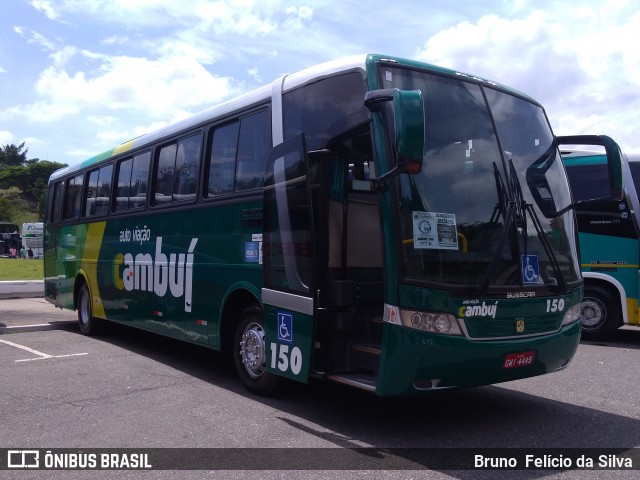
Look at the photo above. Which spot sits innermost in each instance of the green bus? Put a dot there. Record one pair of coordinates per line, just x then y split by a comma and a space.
372, 221
608, 232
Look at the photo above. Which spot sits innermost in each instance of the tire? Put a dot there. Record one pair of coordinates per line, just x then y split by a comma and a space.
601, 315
86, 321
250, 354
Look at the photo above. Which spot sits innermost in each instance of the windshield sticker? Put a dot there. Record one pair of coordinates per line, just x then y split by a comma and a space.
530, 270
435, 230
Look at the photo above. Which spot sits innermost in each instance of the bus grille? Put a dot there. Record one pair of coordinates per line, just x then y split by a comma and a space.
502, 327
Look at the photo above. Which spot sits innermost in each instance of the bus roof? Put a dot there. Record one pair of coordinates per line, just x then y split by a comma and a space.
254, 97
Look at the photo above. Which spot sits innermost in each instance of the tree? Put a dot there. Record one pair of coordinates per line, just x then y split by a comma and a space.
10, 202
13, 155
23, 182
31, 179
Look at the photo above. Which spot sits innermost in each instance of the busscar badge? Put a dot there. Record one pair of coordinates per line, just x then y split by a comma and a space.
520, 326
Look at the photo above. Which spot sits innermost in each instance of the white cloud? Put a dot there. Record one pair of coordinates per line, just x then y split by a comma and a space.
248, 18
101, 119
253, 73
161, 88
580, 63
63, 55
40, 39
6, 137
116, 40
2, 70
107, 137
46, 7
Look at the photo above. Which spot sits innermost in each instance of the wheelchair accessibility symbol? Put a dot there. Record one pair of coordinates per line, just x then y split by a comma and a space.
285, 327
530, 270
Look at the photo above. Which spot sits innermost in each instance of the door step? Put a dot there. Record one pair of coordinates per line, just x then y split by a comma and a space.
358, 380
365, 356
372, 348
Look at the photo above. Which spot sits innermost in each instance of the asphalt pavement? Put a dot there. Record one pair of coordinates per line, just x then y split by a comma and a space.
27, 314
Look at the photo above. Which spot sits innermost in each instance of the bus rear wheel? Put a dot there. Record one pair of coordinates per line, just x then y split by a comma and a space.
250, 354
86, 320
600, 313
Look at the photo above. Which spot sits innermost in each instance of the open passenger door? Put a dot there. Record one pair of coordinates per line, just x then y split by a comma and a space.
288, 258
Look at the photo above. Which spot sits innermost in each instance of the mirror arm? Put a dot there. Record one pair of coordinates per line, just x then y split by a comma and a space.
379, 184
580, 203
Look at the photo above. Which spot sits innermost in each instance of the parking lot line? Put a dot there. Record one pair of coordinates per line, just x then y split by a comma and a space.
41, 355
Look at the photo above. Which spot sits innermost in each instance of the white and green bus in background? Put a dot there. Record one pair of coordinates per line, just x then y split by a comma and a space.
379, 222
33, 238
609, 232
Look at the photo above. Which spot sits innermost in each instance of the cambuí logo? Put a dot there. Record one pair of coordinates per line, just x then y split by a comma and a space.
482, 310
159, 274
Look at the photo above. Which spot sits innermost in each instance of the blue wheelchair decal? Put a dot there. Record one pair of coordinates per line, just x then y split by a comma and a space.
530, 270
285, 327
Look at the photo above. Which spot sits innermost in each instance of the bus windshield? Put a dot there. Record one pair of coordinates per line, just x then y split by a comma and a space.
470, 217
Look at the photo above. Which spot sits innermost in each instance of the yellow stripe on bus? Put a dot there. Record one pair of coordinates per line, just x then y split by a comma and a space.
92, 245
632, 311
126, 146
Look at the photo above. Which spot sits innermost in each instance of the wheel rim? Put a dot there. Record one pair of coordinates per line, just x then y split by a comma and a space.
252, 354
84, 307
593, 314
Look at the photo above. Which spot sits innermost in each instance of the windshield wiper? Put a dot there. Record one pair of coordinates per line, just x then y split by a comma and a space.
514, 209
525, 208
506, 208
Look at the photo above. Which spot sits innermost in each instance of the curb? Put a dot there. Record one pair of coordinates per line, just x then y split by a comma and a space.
21, 289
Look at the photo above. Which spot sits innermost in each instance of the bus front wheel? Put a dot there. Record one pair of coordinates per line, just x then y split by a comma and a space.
250, 355
601, 313
86, 320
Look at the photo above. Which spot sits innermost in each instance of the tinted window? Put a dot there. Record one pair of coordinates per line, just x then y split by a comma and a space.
124, 179
253, 147
98, 191
325, 109
139, 180
187, 168
222, 163
588, 181
164, 174
73, 197
56, 202
177, 170
238, 154
635, 173
133, 176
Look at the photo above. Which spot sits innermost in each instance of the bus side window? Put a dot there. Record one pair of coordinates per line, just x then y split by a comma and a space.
187, 168
178, 165
589, 180
131, 189
55, 205
123, 185
92, 193
253, 146
139, 180
103, 190
163, 187
224, 144
73, 197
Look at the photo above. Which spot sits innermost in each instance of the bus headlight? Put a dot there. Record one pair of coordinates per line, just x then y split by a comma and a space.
434, 322
572, 315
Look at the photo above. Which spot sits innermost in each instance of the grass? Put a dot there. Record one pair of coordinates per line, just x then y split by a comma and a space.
21, 269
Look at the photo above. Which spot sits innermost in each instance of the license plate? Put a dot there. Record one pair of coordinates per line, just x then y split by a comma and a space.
515, 360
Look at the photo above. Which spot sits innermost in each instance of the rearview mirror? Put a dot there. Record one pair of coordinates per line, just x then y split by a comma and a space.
405, 125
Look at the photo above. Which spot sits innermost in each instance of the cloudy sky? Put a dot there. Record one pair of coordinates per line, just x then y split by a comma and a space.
78, 77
